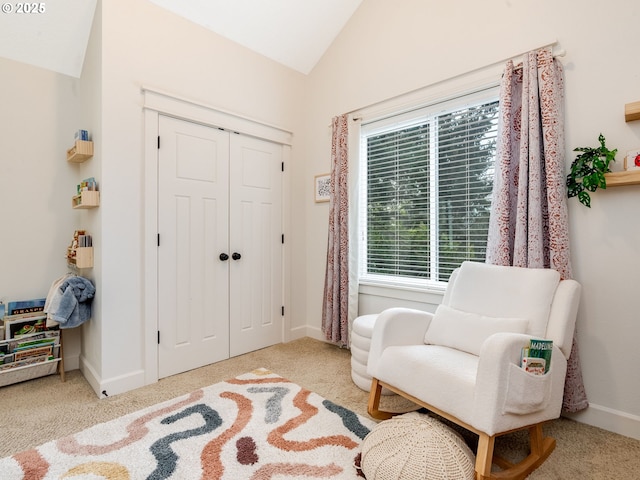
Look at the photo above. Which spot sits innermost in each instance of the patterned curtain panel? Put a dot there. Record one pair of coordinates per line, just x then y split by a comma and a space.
335, 308
528, 224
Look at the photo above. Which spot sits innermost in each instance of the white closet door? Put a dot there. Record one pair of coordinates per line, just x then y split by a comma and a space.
255, 234
193, 283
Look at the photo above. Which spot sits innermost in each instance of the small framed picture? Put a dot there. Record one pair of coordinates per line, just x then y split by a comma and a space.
322, 187
632, 160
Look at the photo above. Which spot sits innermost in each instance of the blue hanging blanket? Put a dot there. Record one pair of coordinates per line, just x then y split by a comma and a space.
71, 302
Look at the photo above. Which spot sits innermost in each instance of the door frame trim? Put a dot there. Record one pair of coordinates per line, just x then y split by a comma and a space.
156, 103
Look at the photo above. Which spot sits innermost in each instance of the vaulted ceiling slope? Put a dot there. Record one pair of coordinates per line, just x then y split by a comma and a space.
54, 37
295, 33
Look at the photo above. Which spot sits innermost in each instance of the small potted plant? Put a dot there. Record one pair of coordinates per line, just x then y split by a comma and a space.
588, 169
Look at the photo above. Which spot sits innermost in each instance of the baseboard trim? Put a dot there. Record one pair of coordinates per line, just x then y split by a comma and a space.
90, 375
111, 386
306, 331
615, 421
124, 383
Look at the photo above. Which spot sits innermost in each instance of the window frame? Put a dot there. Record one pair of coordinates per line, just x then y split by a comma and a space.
394, 119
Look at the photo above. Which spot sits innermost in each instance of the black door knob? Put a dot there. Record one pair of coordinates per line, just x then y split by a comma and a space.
236, 256
224, 257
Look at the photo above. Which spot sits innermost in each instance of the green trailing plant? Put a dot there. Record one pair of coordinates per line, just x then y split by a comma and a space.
588, 169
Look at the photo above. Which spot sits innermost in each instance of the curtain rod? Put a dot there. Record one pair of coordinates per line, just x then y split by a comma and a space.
559, 53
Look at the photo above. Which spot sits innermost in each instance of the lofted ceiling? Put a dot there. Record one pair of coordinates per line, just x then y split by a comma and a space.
55, 37
295, 33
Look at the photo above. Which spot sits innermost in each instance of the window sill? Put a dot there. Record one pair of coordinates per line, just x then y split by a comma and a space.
431, 294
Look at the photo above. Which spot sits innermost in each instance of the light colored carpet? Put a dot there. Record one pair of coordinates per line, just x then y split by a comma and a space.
258, 425
45, 409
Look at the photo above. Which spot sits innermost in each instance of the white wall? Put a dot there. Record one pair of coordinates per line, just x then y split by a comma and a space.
388, 49
144, 45
90, 117
37, 123
133, 43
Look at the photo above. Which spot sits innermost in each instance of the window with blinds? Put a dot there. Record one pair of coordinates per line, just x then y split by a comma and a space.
426, 189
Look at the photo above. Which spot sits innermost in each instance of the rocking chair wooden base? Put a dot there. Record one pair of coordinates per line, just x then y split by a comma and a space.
540, 446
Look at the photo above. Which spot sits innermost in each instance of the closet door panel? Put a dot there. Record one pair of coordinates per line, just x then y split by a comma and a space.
255, 233
193, 287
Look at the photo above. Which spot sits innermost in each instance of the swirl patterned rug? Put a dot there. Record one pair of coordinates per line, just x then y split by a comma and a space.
256, 426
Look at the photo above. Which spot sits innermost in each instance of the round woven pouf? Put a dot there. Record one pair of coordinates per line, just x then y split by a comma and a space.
415, 446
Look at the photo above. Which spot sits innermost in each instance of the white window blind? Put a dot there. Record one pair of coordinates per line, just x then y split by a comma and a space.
426, 189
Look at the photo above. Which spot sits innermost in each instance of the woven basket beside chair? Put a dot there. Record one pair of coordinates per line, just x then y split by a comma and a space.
415, 446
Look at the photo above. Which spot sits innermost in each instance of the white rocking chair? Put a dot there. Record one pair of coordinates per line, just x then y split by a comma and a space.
463, 361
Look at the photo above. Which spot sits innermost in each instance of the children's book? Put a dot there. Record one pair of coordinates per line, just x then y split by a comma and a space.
536, 357
26, 306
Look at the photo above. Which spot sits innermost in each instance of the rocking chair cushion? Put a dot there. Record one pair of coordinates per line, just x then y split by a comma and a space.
498, 291
467, 331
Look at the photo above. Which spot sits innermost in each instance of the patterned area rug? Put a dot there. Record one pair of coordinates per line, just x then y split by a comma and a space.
256, 426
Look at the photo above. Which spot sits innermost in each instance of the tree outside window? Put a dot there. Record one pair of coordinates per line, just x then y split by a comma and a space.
428, 192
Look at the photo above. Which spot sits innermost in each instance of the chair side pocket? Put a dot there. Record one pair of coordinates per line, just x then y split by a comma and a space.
526, 392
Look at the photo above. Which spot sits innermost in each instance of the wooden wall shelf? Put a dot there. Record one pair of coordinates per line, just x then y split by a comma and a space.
632, 111
86, 199
618, 179
83, 258
81, 151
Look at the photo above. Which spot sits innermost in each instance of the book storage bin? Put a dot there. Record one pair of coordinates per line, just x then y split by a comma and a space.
11, 375
86, 199
21, 374
81, 151
83, 258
